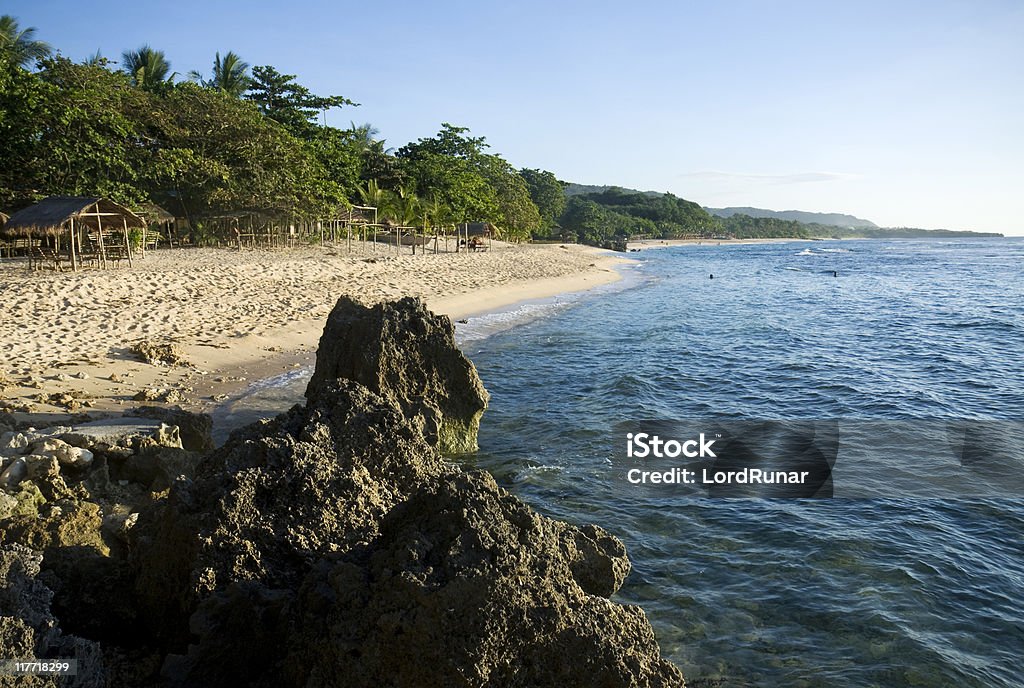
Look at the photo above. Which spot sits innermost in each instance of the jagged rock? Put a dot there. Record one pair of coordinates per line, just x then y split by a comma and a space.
331, 546
8, 504
68, 456
15, 470
168, 395
159, 353
335, 536
13, 443
29, 629
196, 429
157, 468
408, 355
126, 432
42, 467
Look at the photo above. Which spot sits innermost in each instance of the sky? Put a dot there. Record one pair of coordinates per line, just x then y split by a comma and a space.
905, 113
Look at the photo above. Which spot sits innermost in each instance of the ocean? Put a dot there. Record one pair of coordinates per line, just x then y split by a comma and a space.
909, 573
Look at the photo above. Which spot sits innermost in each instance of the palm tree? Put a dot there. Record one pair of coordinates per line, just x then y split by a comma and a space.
372, 195
407, 206
435, 213
96, 60
20, 47
230, 74
147, 68
365, 134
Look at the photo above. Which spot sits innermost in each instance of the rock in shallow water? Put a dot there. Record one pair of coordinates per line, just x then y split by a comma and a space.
333, 546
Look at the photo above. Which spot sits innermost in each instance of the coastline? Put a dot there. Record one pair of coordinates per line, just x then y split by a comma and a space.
76, 362
647, 244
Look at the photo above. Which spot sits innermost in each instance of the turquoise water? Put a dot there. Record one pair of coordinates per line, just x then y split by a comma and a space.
919, 586
912, 575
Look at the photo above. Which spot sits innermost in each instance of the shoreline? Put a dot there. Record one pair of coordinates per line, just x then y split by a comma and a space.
647, 244
224, 361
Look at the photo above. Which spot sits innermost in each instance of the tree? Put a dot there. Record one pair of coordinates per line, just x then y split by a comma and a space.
218, 153
147, 68
19, 47
73, 129
230, 74
280, 98
365, 134
454, 168
547, 193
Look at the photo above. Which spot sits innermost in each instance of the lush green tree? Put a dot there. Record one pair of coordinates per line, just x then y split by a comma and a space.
365, 134
18, 46
455, 168
618, 213
518, 216
230, 74
340, 155
547, 193
218, 153
73, 129
282, 99
147, 68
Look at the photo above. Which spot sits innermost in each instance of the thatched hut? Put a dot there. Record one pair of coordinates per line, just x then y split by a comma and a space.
155, 216
86, 225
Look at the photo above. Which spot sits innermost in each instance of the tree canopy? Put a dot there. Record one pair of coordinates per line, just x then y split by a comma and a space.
19, 47
241, 141
230, 74
147, 68
284, 100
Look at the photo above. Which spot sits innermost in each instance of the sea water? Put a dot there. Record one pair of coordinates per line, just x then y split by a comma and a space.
912, 574
918, 586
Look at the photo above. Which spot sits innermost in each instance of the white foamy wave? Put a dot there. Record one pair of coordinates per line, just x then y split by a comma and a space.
835, 250
806, 252
282, 380
483, 326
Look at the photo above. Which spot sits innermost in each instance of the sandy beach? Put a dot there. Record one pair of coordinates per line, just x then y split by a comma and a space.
234, 316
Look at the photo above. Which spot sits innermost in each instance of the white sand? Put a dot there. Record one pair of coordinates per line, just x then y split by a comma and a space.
238, 311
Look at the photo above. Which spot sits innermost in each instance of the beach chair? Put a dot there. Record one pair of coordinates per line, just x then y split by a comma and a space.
39, 256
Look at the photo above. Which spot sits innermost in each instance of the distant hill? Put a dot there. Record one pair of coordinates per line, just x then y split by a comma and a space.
830, 219
574, 189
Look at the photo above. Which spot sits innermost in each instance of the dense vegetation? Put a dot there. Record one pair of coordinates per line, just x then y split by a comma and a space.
247, 139
746, 227
600, 217
240, 139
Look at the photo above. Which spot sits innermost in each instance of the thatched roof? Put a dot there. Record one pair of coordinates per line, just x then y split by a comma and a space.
481, 229
49, 216
152, 213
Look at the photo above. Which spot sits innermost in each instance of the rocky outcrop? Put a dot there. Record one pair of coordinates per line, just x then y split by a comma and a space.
334, 547
331, 546
406, 354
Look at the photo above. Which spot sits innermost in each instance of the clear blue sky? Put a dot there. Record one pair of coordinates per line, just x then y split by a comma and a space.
902, 112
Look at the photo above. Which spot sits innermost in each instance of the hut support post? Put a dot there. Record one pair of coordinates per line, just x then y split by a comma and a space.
99, 238
71, 245
127, 241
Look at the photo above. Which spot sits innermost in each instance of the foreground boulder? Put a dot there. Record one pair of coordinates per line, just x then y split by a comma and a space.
333, 546
406, 354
